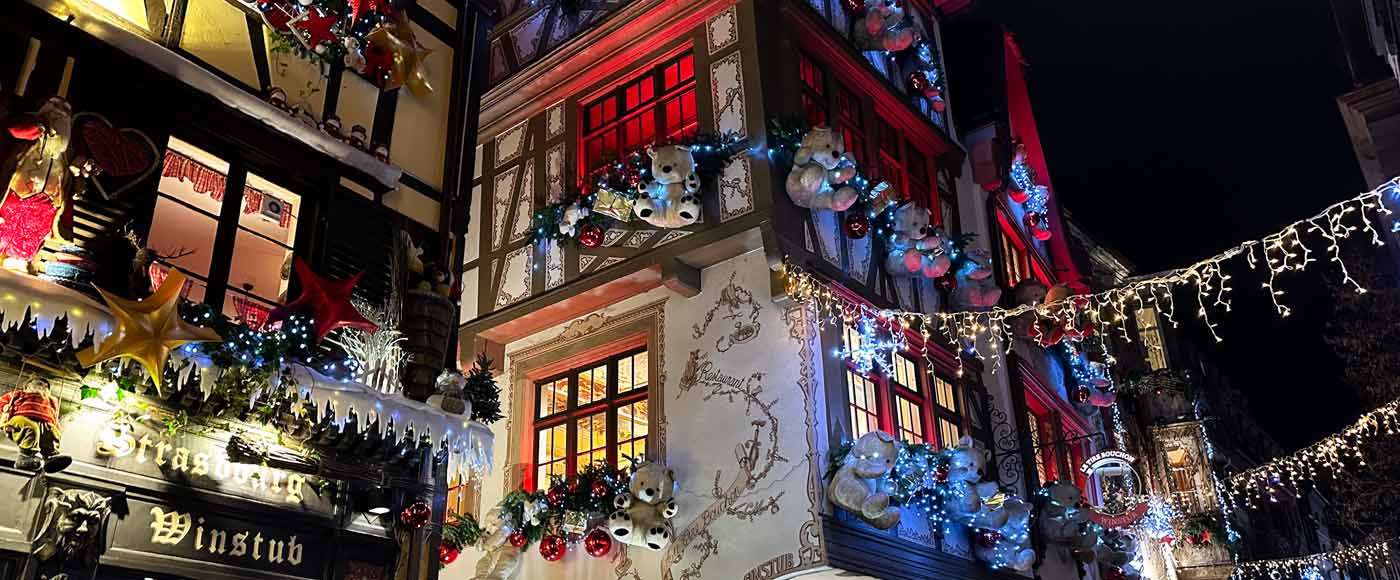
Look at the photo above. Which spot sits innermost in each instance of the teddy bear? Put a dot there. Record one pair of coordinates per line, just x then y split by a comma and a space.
976, 288
670, 199
884, 27
966, 465
573, 214
643, 513
856, 485
1116, 548
1064, 521
502, 559
1011, 521
819, 170
915, 247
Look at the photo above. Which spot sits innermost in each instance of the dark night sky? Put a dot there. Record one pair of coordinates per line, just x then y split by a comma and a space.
1174, 130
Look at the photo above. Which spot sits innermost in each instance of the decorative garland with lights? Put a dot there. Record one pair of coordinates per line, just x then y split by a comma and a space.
1282, 252
1222, 503
614, 188
369, 37
1023, 188
1370, 554
923, 479
1329, 455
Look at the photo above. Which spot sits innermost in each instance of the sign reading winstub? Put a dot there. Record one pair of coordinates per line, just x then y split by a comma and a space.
205, 537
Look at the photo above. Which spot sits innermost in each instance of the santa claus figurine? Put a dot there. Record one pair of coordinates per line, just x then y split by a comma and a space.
29, 415
36, 194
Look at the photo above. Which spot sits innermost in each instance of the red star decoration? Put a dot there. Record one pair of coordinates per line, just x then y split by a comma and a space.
317, 27
328, 302
378, 63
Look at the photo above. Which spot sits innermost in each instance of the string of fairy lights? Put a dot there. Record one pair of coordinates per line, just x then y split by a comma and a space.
1328, 456
1291, 249
1304, 566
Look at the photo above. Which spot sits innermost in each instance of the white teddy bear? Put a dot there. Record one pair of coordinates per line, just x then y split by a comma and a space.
915, 247
572, 216
883, 27
670, 199
643, 513
1012, 522
976, 288
819, 170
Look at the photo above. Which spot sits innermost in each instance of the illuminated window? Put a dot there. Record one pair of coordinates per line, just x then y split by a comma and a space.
1150, 328
463, 494
1015, 261
813, 90
186, 225
902, 398
1042, 468
658, 105
595, 413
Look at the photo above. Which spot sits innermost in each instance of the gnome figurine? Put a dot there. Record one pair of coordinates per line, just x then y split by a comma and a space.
29, 415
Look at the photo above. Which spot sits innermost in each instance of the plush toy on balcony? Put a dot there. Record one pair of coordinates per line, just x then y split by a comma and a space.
29, 415
37, 191
1010, 544
856, 486
916, 248
976, 288
820, 170
965, 468
1116, 548
671, 198
644, 511
884, 27
573, 214
1064, 521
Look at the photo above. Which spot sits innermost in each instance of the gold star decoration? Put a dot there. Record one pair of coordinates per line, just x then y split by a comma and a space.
148, 330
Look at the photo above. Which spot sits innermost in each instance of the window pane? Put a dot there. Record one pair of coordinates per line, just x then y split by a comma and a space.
260, 266
945, 393
592, 438
631, 432
1033, 425
554, 397
593, 385
177, 229
270, 210
851, 338
551, 452
865, 414
904, 372
194, 176
911, 421
948, 432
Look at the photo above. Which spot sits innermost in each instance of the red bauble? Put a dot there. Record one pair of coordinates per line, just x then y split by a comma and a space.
940, 473
555, 495
1082, 394
590, 235
517, 539
448, 552
571, 485
1017, 195
598, 543
1114, 574
855, 8
552, 548
1033, 219
939, 104
417, 515
1038, 225
856, 225
947, 282
600, 488
918, 82
988, 538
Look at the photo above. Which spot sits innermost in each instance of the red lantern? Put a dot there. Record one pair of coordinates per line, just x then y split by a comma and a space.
517, 539
417, 515
552, 548
590, 235
448, 552
918, 82
856, 225
947, 282
600, 488
988, 538
598, 543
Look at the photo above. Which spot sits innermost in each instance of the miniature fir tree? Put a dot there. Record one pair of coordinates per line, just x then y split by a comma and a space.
483, 392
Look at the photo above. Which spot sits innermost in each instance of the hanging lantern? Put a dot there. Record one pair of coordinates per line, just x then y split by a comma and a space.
552, 548
856, 225
598, 543
417, 515
590, 235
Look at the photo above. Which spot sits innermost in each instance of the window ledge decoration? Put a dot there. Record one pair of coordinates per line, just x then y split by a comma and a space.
876, 474
370, 37
593, 508
177, 66
1022, 188
1064, 520
659, 185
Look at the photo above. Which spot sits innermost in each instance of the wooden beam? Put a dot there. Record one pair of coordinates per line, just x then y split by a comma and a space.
680, 278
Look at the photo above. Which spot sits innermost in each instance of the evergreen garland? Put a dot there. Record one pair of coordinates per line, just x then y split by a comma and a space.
483, 392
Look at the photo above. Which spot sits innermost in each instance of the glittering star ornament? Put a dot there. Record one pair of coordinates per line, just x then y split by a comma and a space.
317, 27
328, 302
148, 330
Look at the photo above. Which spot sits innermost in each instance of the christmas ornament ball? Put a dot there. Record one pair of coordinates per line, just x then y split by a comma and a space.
856, 225
947, 282
940, 473
600, 488
854, 7
571, 485
555, 495
1082, 394
517, 539
917, 81
598, 543
417, 515
590, 235
552, 548
448, 552
988, 538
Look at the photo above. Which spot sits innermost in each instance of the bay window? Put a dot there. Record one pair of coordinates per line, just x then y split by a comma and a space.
592, 413
657, 105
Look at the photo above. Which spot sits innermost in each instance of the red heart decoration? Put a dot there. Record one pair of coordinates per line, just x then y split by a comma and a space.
119, 154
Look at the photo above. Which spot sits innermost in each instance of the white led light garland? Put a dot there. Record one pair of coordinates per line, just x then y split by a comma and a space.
1284, 251
1377, 553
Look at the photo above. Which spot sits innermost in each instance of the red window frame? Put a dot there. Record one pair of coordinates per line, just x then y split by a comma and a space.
813, 90
554, 417
658, 104
904, 399
1059, 441
1015, 258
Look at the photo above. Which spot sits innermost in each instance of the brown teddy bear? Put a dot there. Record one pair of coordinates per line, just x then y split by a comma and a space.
856, 485
644, 512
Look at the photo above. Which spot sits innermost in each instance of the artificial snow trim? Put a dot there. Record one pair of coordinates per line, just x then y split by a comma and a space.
236, 98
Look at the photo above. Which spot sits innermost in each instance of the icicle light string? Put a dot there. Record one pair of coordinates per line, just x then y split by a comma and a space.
1329, 455
1279, 253
1377, 553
